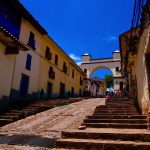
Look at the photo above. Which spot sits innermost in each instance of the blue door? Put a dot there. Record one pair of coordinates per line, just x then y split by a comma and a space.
24, 85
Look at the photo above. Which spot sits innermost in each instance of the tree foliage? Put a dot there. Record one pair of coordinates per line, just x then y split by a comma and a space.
109, 80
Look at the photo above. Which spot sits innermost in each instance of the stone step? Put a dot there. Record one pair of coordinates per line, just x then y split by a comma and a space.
133, 121
102, 144
116, 117
120, 102
116, 114
5, 121
29, 109
111, 106
108, 135
117, 106
114, 108
13, 117
114, 111
13, 113
116, 125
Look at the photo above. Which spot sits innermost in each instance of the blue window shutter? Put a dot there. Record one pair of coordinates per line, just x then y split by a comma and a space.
28, 62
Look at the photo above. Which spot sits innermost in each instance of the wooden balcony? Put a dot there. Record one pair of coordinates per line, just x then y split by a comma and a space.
12, 50
13, 45
48, 55
65, 69
81, 82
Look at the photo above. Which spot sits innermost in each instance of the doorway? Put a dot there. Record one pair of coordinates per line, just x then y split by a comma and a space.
62, 90
49, 89
72, 92
121, 85
24, 85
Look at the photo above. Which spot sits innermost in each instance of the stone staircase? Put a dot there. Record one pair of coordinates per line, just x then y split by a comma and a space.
114, 126
22, 109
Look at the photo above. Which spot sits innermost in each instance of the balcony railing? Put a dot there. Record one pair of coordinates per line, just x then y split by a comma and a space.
9, 25
65, 69
52, 75
48, 55
81, 82
12, 50
134, 43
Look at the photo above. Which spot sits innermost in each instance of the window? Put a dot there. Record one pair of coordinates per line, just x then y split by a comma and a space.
31, 41
48, 54
28, 62
85, 71
81, 81
51, 73
117, 69
64, 67
73, 74
56, 59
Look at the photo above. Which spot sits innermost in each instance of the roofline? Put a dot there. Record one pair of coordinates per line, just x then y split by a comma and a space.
77, 67
20, 43
87, 55
102, 58
116, 52
129, 31
28, 16
98, 78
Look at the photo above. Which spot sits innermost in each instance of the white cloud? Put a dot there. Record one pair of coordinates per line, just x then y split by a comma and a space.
75, 58
79, 63
110, 38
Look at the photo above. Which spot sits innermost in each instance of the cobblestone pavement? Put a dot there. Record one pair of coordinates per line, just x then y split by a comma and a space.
40, 130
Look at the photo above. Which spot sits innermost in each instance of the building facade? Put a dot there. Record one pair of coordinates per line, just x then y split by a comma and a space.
32, 65
95, 87
135, 53
90, 65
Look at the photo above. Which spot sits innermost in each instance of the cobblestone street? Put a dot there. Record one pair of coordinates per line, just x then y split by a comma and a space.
40, 130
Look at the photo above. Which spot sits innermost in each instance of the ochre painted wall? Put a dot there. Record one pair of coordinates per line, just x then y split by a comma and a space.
141, 74
6, 71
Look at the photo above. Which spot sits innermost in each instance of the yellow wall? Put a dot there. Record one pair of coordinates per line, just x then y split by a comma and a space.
6, 71
21, 60
141, 75
60, 76
38, 75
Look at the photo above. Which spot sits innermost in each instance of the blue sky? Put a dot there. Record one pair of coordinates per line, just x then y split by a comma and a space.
84, 26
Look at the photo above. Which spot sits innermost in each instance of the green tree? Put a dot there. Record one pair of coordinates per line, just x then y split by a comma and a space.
109, 80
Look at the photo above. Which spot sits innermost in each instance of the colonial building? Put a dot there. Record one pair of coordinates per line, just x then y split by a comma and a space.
32, 65
135, 54
95, 87
90, 65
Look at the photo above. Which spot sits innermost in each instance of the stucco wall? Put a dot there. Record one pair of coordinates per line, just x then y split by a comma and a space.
141, 75
21, 60
60, 76
92, 67
6, 71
